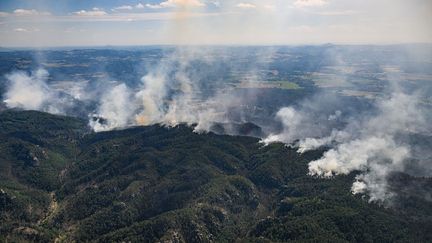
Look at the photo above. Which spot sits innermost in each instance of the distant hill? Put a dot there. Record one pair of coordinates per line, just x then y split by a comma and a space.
61, 182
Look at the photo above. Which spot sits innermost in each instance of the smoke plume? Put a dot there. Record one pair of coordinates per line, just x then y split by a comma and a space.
116, 109
372, 137
373, 143
171, 93
31, 92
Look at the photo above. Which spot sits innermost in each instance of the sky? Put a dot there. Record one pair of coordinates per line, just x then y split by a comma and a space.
50, 23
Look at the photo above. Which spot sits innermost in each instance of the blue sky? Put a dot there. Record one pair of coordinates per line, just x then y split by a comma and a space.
68, 6
240, 22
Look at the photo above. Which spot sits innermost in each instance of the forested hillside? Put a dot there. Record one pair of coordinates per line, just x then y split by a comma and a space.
61, 182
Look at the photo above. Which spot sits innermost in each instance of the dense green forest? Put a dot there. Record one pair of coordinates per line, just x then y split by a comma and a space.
61, 182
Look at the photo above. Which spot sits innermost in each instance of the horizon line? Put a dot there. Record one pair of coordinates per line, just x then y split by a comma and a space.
210, 45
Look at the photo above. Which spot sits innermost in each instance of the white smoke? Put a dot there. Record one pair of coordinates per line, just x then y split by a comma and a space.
369, 144
166, 96
31, 92
313, 143
170, 94
307, 124
116, 108
27, 92
152, 97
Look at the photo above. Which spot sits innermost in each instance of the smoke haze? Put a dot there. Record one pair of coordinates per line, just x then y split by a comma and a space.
31, 92
370, 136
373, 142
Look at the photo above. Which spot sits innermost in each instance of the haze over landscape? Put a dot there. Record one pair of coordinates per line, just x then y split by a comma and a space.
216, 121
265, 22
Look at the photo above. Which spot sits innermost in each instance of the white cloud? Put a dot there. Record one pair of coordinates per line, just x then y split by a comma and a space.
310, 3
123, 7
26, 30
20, 30
139, 6
246, 5
93, 12
362, 23
176, 3
153, 6
29, 12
